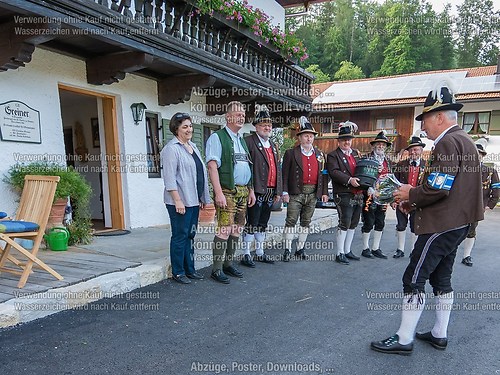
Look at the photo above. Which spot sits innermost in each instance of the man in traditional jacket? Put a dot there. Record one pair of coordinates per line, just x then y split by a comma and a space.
267, 184
304, 181
408, 171
341, 164
374, 213
449, 199
491, 194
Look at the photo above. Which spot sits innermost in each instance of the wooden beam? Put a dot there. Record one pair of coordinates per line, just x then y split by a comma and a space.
174, 90
18, 41
108, 69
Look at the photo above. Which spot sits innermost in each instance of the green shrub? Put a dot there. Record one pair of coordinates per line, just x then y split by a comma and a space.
71, 184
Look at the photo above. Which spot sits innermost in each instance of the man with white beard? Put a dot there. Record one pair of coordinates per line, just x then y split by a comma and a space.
373, 213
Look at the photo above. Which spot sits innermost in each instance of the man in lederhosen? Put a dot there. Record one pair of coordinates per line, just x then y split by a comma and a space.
408, 171
267, 184
373, 213
303, 183
341, 164
491, 194
230, 172
448, 200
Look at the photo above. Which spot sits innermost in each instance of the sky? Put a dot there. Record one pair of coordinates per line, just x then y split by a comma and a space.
438, 5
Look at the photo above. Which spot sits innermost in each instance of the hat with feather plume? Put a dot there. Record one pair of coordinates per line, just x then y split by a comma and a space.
441, 98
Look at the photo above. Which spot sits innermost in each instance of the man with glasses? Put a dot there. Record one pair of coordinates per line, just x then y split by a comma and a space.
229, 169
448, 200
373, 213
267, 185
408, 171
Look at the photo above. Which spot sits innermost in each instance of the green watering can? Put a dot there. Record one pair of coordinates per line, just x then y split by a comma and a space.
57, 238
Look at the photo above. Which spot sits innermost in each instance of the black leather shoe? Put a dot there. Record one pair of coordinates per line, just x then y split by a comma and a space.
350, 255
398, 254
195, 276
264, 258
301, 254
467, 261
379, 254
233, 271
219, 276
391, 345
341, 258
181, 279
434, 341
247, 261
286, 256
367, 253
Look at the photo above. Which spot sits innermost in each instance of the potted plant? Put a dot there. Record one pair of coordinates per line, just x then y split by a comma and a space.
71, 184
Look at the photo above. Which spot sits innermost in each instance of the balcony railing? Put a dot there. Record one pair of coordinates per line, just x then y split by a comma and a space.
223, 38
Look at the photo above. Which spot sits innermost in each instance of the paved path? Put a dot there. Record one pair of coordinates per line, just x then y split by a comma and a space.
279, 318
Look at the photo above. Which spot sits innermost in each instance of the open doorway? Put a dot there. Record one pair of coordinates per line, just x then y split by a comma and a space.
91, 143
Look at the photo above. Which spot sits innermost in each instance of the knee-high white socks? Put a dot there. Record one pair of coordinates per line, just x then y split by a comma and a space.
366, 239
468, 245
304, 231
260, 237
247, 243
444, 304
348, 240
401, 240
288, 237
377, 236
413, 305
341, 236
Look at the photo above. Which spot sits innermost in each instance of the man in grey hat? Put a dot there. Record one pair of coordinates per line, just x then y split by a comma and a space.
491, 194
448, 200
408, 171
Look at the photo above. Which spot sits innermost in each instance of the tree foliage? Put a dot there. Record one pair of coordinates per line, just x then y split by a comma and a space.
318, 73
348, 71
398, 36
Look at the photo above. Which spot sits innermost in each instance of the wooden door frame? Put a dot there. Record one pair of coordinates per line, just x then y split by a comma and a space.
112, 157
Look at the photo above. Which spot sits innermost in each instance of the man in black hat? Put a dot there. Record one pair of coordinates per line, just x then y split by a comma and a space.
373, 213
304, 181
408, 171
267, 184
449, 198
341, 164
491, 194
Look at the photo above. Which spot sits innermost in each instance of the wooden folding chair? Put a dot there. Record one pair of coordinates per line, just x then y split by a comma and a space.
31, 219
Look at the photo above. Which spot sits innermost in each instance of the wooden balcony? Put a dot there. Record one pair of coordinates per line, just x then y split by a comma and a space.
166, 40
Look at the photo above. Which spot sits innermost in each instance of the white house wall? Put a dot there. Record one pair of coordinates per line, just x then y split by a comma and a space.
37, 86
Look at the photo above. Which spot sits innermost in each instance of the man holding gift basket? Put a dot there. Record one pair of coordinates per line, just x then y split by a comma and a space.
374, 213
448, 200
408, 171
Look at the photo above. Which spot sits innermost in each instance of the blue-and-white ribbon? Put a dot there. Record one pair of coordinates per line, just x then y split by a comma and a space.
496, 185
440, 181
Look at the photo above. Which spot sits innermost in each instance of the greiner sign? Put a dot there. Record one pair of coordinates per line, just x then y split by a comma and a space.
19, 123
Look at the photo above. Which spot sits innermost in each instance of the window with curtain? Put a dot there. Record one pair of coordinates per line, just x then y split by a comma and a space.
329, 126
476, 122
387, 124
153, 145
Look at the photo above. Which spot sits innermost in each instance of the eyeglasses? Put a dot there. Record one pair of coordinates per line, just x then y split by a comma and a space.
178, 116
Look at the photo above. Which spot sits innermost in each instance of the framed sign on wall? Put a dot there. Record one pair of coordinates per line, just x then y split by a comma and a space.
19, 123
